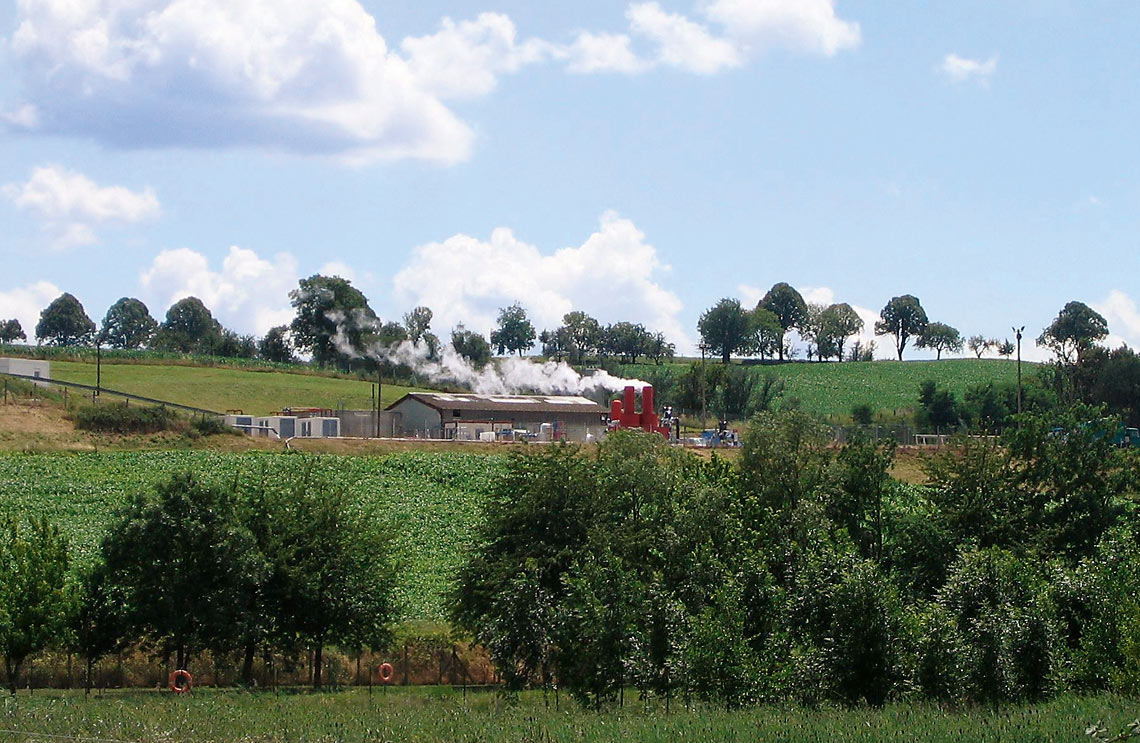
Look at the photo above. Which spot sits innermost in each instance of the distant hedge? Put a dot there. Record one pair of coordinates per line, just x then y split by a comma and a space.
123, 418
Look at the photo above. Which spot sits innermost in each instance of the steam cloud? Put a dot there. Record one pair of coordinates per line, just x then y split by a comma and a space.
505, 377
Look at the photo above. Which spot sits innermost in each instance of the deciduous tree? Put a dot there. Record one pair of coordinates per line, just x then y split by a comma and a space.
902, 317
939, 337
330, 310
727, 328
127, 324
11, 331
189, 327
783, 301
64, 323
1075, 329
514, 333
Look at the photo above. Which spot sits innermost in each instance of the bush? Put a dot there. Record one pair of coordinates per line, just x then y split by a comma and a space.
122, 418
862, 414
210, 425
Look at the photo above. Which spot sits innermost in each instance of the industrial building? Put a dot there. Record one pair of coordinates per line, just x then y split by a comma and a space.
470, 417
286, 426
34, 368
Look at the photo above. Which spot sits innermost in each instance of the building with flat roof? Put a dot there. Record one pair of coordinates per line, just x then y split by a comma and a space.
471, 417
36, 368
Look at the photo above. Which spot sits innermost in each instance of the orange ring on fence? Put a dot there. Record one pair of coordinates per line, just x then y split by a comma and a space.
387, 673
181, 681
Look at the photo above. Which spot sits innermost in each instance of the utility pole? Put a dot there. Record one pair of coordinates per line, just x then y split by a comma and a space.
1017, 332
704, 411
379, 386
98, 367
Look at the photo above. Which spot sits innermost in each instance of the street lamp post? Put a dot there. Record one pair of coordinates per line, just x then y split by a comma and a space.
1017, 332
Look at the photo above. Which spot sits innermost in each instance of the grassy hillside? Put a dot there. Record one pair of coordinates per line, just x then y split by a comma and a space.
889, 386
429, 504
221, 389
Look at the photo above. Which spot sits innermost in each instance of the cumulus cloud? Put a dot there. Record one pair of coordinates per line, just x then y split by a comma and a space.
962, 69
680, 42
70, 203
603, 52
249, 294
1123, 317
25, 303
734, 31
466, 280
809, 26
304, 76
465, 59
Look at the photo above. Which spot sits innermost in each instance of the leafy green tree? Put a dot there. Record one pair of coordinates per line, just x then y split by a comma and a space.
514, 332
417, 323
979, 344
1075, 329
1007, 623
937, 406
98, 613
471, 346
330, 310
127, 324
330, 581
583, 332
275, 346
838, 323
769, 334
64, 323
11, 331
231, 345
1006, 348
556, 344
788, 306
189, 327
659, 348
33, 597
628, 340
902, 317
727, 328
939, 337
185, 565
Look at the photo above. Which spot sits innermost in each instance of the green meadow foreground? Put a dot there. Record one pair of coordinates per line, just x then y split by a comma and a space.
427, 715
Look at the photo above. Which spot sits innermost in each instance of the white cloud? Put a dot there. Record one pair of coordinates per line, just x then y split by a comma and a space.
303, 76
249, 294
604, 52
680, 42
809, 26
961, 69
464, 60
69, 203
1123, 318
465, 279
25, 303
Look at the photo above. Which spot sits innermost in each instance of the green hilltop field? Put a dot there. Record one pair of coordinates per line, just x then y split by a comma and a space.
255, 392
829, 390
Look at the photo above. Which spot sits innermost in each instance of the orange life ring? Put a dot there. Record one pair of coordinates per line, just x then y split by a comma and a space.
181, 681
387, 673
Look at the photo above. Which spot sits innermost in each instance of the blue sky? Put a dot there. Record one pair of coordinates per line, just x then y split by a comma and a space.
637, 161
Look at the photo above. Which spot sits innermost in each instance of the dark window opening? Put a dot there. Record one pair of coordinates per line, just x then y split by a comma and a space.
456, 413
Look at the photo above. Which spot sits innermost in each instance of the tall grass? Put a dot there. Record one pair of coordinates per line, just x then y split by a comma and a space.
440, 714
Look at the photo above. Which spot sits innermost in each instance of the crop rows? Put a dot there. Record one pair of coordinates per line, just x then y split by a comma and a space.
429, 502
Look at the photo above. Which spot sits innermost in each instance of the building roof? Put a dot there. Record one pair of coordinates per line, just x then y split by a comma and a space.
561, 404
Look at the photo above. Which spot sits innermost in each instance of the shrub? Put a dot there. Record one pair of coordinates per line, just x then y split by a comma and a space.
122, 418
210, 425
862, 414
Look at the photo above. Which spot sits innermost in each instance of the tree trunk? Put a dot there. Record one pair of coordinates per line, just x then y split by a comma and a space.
12, 666
318, 656
87, 679
181, 657
247, 664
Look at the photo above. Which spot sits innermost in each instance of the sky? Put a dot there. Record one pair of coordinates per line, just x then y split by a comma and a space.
636, 161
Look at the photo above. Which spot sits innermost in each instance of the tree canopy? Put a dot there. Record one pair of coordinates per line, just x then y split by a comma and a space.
327, 305
902, 317
514, 333
471, 346
1075, 329
727, 328
788, 305
189, 327
11, 331
939, 337
275, 346
64, 323
127, 324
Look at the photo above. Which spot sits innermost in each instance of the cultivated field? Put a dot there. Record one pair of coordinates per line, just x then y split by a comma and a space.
890, 387
431, 715
429, 502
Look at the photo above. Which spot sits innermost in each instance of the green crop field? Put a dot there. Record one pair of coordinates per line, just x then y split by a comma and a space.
428, 715
429, 502
832, 389
221, 389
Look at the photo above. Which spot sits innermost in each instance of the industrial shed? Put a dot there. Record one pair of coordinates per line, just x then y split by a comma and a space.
470, 417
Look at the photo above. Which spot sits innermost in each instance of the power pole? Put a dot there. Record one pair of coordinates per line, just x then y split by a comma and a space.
1017, 332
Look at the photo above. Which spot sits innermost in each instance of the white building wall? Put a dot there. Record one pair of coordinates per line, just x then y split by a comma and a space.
26, 367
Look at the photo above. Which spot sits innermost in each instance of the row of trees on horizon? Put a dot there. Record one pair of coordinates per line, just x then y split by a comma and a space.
334, 324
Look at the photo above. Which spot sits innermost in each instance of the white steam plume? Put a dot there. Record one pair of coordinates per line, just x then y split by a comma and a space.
503, 377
